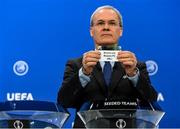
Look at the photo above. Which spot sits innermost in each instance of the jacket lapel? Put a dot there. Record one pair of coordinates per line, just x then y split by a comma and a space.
117, 75
98, 75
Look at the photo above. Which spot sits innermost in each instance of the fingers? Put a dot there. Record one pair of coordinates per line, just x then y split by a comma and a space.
127, 58
90, 59
126, 54
92, 54
129, 61
90, 64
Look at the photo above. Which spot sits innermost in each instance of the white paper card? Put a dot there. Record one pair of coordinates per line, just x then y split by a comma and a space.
109, 55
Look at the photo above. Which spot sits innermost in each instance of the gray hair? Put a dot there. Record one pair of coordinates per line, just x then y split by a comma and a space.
107, 7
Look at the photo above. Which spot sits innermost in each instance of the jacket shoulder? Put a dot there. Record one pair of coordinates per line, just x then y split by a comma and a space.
77, 62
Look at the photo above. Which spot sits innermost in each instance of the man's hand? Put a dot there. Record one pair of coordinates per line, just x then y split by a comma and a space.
129, 61
90, 59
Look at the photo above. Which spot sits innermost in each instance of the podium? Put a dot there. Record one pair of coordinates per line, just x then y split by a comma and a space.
121, 114
31, 114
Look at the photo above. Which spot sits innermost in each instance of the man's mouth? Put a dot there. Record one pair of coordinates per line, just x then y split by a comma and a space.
106, 35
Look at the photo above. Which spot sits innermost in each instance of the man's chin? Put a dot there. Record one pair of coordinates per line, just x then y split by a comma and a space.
106, 43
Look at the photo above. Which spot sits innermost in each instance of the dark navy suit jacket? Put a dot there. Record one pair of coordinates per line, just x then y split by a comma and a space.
73, 95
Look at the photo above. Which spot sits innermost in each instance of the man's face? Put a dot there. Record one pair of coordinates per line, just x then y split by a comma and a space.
106, 29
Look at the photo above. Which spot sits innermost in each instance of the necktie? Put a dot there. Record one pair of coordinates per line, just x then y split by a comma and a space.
107, 70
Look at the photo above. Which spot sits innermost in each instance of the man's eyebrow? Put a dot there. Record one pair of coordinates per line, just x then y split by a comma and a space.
112, 20
108, 20
100, 20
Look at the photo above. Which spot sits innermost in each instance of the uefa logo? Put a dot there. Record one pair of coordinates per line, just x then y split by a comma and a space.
20, 68
152, 67
120, 123
18, 124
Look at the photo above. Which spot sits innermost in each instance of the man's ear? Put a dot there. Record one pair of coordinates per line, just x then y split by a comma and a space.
91, 32
121, 32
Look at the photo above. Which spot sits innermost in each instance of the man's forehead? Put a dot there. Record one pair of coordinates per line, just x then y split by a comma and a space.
105, 14
105, 10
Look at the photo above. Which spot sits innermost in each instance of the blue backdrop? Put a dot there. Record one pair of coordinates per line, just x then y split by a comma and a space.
38, 36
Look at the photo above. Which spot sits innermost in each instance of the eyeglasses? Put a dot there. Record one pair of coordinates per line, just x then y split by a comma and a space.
102, 23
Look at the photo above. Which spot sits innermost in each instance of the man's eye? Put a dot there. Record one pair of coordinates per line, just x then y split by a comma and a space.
100, 23
112, 23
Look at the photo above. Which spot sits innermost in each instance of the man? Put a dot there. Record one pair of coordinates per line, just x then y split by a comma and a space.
83, 78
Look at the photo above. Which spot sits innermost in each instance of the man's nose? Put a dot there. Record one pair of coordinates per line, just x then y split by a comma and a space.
106, 27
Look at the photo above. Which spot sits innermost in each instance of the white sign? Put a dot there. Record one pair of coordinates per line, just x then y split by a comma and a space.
108, 55
19, 96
